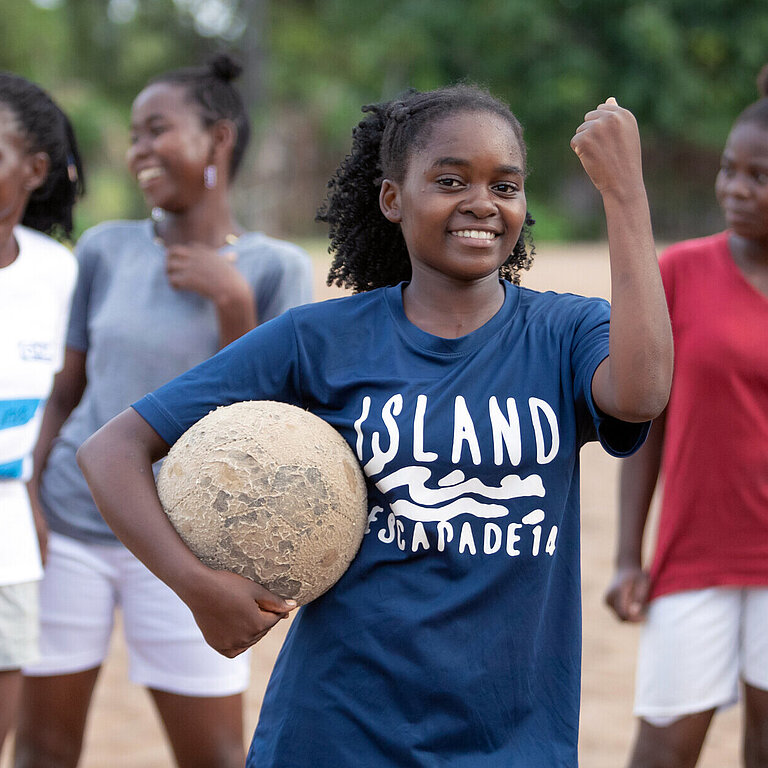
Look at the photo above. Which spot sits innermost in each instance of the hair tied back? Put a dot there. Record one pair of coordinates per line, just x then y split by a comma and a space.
224, 67
399, 112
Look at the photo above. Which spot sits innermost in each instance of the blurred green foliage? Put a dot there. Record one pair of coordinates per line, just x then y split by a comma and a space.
686, 68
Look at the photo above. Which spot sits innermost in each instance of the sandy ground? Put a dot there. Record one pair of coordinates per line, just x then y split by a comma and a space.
123, 731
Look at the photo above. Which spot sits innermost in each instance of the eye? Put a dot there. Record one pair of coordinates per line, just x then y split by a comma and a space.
506, 188
158, 128
450, 182
761, 177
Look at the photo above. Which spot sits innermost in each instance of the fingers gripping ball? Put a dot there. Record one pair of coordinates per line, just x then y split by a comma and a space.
268, 491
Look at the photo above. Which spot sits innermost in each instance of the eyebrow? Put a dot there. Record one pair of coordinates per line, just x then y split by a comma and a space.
504, 169
754, 162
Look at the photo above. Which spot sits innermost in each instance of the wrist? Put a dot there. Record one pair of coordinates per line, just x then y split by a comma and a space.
632, 195
628, 561
232, 296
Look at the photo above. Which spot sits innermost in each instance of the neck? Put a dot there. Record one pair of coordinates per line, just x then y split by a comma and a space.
9, 249
749, 253
208, 223
447, 308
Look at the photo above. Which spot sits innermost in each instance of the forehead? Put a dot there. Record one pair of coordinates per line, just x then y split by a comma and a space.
160, 99
10, 130
473, 136
749, 140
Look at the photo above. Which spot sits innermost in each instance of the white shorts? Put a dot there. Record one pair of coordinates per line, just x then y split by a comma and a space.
84, 584
695, 647
18, 625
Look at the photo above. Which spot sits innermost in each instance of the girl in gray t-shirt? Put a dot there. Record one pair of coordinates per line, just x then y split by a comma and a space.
154, 297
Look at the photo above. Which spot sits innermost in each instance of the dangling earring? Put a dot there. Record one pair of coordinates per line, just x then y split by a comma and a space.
210, 176
157, 214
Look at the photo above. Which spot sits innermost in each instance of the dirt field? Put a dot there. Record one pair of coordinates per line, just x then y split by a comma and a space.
124, 733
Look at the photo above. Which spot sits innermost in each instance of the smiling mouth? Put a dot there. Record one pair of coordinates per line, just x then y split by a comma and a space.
475, 234
146, 175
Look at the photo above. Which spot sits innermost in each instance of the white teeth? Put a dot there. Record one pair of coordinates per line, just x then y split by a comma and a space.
475, 234
147, 174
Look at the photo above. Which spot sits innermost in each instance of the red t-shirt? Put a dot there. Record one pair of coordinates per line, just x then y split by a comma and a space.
713, 529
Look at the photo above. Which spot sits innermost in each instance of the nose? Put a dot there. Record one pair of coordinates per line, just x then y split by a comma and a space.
479, 202
138, 149
736, 185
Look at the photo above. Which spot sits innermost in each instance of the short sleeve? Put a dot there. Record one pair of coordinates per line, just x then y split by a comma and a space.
77, 333
288, 285
261, 365
66, 285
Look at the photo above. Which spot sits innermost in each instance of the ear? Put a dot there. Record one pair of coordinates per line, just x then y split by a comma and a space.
389, 201
224, 134
38, 165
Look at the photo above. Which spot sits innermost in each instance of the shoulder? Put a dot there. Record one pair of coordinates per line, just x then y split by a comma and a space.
49, 257
108, 233
693, 262
341, 310
560, 307
694, 250
278, 252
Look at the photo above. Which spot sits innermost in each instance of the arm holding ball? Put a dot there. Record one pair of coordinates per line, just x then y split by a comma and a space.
232, 612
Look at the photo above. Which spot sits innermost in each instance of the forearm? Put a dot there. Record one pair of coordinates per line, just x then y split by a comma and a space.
67, 391
235, 312
639, 370
117, 463
232, 612
637, 482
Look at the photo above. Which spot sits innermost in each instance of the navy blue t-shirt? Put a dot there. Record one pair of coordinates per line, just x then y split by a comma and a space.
454, 639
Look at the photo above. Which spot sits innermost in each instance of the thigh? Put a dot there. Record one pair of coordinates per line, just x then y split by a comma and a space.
677, 745
52, 718
10, 688
688, 658
166, 648
18, 625
203, 731
77, 604
755, 638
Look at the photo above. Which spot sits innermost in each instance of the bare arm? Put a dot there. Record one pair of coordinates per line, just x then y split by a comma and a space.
633, 382
628, 591
68, 388
232, 612
204, 270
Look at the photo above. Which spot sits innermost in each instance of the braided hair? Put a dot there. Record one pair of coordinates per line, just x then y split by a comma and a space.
47, 129
370, 251
210, 87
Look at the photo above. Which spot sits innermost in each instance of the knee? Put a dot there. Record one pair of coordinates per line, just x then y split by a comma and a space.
44, 750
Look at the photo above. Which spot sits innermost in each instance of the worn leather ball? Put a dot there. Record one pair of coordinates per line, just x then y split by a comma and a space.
269, 491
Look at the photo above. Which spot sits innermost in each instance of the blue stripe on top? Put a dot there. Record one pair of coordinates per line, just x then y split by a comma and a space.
12, 470
15, 413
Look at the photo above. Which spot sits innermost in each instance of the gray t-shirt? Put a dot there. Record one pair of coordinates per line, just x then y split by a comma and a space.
138, 333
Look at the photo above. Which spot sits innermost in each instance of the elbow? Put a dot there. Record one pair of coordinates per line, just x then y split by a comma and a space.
645, 406
87, 453
647, 411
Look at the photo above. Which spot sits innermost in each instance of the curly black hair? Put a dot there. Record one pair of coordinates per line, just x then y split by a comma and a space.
369, 251
46, 129
210, 87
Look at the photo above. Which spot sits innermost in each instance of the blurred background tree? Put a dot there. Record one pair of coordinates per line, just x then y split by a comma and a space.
684, 67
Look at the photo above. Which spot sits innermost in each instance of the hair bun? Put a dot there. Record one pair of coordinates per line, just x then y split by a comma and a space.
224, 67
